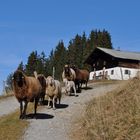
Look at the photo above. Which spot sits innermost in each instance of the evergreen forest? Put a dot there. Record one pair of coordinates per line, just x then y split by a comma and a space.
78, 49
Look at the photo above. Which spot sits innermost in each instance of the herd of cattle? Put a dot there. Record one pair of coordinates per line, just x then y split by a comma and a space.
32, 89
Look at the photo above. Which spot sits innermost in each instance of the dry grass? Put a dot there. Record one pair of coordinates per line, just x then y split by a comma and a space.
13, 128
5, 95
115, 116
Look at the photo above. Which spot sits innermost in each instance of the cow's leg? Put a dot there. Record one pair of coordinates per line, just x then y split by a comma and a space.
21, 109
74, 90
35, 105
48, 106
25, 108
53, 101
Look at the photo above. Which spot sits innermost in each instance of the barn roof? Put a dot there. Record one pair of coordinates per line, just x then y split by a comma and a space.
96, 53
121, 54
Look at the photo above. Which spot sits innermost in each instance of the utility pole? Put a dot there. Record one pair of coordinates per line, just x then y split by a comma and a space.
53, 72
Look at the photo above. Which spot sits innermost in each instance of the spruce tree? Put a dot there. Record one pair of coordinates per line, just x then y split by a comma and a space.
40, 64
71, 52
21, 66
31, 63
107, 40
76, 51
79, 48
79, 51
60, 59
8, 85
49, 64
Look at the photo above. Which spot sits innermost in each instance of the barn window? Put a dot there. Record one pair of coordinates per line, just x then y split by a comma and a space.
112, 72
127, 72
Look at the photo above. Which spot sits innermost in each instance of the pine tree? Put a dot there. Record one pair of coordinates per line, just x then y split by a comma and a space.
93, 39
21, 66
40, 64
60, 59
100, 39
71, 52
49, 64
8, 85
79, 48
107, 40
75, 51
32, 63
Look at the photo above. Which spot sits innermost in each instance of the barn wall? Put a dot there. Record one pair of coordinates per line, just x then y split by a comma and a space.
100, 59
129, 64
108, 63
116, 73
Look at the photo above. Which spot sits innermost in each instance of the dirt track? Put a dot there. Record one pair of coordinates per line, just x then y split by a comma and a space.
8, 105
57, 124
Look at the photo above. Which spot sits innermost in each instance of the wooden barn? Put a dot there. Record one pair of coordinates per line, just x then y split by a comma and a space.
113, 64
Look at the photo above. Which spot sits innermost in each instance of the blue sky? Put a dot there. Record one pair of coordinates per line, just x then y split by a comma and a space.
27, 25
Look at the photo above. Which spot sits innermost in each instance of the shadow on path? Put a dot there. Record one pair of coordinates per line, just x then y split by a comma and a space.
86, 88
39, 116
61, 106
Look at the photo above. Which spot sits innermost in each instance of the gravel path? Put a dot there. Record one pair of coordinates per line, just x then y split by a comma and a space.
57, 124
8, 105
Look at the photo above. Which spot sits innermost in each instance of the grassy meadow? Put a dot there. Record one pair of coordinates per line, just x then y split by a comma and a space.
114, 116
13, 128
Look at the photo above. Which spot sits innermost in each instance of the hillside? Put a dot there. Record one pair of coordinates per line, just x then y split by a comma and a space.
114, 116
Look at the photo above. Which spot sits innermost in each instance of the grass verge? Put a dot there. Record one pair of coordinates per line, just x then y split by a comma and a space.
3, 96
114, 116
13, 128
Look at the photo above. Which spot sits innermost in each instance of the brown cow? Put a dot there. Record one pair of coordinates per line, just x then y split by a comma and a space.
26, 89
82, 76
